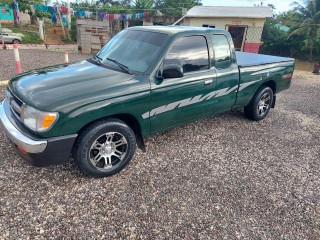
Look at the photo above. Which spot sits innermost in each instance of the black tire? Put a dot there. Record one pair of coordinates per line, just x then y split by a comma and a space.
260, 105
98, 148
16, 41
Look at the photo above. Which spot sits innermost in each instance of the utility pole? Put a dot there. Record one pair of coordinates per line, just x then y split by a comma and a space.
69, 16
1, 34
64, 33
97, 18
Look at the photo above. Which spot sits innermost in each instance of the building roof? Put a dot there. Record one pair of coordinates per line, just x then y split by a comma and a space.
240, 12
283, 28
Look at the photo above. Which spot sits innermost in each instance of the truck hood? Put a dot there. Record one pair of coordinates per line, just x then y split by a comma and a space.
64, 87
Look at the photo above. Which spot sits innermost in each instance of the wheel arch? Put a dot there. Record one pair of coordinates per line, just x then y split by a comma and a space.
128, 119
271, 84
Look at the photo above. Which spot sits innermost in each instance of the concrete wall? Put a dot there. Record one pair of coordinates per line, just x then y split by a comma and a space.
24, 18
223, 23
52, 47
92, 35
6, 14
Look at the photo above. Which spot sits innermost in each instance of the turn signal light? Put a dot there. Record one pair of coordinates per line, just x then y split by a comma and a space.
287, 76
48, 120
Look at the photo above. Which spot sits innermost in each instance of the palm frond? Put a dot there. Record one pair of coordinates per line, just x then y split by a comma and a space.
316, 17
300, 31
296, 4
307, 22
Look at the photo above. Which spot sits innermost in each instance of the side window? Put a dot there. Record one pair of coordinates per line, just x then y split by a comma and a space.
189, 53
222, 54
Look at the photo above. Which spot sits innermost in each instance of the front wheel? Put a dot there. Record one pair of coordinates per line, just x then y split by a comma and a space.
260, 105
16, 41
105, 148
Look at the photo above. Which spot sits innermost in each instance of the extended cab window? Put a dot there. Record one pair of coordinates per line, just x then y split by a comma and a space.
189, 53
222, 54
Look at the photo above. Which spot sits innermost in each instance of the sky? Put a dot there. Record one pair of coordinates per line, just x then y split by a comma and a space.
281, 5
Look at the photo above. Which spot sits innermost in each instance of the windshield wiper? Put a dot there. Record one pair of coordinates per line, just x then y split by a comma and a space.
123, 67
97, 59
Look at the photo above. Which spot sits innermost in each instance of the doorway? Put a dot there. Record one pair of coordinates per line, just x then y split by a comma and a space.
238, 34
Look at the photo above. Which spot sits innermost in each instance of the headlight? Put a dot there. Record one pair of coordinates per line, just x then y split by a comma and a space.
37, 120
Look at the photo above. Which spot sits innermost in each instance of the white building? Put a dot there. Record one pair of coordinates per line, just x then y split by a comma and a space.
245, 24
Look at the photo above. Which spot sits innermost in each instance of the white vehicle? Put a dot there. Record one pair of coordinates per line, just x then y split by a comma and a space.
9, 38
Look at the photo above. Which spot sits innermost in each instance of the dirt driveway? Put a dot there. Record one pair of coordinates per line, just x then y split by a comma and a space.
222, 177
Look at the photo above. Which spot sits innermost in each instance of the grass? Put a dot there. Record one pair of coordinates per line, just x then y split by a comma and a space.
67, 40
30, 38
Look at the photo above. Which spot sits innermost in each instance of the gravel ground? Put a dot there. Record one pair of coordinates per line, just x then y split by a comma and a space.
234, 179
32, 59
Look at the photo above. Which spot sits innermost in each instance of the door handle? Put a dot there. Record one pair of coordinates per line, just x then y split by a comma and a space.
208, 82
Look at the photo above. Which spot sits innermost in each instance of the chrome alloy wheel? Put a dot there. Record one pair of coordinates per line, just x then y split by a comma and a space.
108, 150
264, 104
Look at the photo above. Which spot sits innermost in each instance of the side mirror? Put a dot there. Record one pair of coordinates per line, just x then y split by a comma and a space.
172, 72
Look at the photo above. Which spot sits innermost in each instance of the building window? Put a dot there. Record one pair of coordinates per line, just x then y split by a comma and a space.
208, 26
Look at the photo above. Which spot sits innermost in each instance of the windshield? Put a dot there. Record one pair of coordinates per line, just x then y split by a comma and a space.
133, 49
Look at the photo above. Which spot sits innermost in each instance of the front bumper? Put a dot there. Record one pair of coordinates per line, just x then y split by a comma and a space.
37, 151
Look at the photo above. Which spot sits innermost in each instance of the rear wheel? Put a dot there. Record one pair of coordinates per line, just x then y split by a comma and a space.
105, 148
260, 105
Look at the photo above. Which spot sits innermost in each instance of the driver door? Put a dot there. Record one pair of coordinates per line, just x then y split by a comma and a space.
175, 101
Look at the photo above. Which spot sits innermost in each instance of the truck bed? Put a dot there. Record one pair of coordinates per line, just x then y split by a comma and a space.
250, 59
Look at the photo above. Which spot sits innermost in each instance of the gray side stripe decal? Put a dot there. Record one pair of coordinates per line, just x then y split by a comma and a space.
196, 99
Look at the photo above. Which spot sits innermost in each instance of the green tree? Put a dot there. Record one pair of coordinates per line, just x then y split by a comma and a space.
142, 4
310, 15
174, 7
276, 34
274, 39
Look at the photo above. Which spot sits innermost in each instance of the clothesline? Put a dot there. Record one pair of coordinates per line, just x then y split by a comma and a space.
53, 12
113, 16
124, 9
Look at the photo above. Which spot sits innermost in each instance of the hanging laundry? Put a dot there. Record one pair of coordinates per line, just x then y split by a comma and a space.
111, 16
54, 19
123, 17
103, 16
48, 9
32, 9
16, 10
65, 21
81, 13
87, 14
64, 10
56, 8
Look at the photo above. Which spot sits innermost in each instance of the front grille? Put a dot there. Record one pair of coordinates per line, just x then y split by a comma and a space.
15, 103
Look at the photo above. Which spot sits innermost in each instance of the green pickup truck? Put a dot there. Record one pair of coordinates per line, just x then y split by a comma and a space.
145, 80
